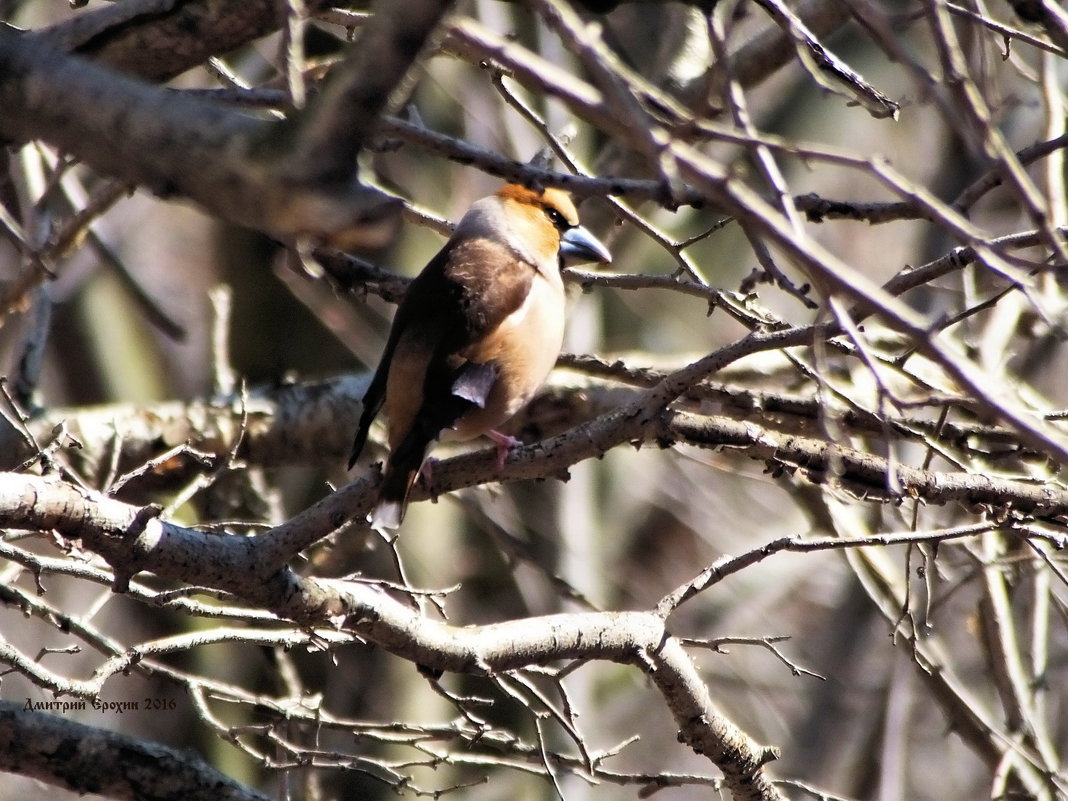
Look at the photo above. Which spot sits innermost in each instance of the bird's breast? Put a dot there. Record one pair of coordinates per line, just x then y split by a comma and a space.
524, 347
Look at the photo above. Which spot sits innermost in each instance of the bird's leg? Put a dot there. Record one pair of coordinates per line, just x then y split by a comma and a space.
504, 444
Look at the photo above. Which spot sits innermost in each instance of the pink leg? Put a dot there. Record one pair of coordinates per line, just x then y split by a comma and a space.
504, 444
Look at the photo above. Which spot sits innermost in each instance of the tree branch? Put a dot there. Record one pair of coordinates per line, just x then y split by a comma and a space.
159, 39
87, 759
327, 137
243, 566
178, 145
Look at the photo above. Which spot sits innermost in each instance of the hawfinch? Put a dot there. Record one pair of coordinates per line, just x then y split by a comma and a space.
476, 334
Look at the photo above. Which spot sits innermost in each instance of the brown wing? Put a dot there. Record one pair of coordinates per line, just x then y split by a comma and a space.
463, 294
485, 281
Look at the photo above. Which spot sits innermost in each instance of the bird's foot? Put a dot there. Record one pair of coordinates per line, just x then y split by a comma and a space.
504, 443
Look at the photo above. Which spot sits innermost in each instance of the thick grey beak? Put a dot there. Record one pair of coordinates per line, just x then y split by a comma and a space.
579, 246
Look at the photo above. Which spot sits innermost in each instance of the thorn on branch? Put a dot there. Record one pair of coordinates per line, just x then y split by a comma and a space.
121, 584
141, 520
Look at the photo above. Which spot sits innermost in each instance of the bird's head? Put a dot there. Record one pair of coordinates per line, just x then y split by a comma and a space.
542, 226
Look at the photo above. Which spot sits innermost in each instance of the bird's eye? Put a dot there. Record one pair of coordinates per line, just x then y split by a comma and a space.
557, 219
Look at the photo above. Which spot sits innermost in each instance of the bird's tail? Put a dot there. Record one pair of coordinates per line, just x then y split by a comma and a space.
392, 501
469, 386
402, 469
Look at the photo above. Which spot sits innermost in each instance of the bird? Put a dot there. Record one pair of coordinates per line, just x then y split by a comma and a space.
475, 335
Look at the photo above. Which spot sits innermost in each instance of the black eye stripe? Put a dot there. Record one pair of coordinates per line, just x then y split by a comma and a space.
556, 218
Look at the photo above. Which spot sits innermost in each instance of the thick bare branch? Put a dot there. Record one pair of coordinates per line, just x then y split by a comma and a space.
133, 540
328, 136
158, 39
177, 145
87, 759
